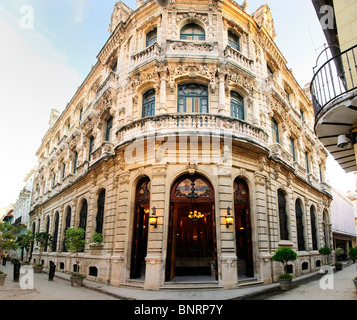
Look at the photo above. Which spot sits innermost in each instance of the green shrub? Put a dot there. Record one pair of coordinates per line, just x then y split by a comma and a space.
286, 276
97, 238
325, 251
353, 253
284, 255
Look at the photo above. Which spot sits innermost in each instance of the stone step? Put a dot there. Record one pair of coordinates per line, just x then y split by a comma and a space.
194, 285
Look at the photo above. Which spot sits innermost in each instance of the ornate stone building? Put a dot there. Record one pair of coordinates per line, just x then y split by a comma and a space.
190, 147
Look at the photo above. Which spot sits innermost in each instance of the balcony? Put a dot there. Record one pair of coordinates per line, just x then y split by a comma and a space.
240, 60
334, 95
145, 56
194, 125
200, 50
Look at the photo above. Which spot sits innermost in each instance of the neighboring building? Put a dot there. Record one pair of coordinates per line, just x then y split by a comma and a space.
189, 118
334, 86
8, 214
343, 222
22, 208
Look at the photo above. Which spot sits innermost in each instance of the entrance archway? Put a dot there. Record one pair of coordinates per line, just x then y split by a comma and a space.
243, 228
192, 249
140, 230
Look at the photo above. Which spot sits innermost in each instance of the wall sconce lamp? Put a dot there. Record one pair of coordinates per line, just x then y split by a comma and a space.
153, 218
229, 218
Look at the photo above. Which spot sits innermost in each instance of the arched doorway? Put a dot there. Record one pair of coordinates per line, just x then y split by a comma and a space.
192, 249
141, 228
243, 228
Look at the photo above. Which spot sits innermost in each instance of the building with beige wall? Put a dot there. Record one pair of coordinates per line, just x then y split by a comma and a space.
189, 118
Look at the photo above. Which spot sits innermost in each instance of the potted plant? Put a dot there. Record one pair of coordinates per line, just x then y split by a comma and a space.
75, 242
338, 265
97, 240
284, 255
355, 282
43, 239
353, 254
325, 251
2, 278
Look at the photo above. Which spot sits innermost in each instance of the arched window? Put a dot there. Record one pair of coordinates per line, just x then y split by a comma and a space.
283, 217
233, 41
300, 225
83, 215
100, 212
275, 130
237, 106
67, 226
313, 228
192, 31
193, 98
55, 233
151, 38
149, 103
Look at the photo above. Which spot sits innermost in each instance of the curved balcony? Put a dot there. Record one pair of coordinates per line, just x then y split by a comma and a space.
192, 124
334, 95
338, 76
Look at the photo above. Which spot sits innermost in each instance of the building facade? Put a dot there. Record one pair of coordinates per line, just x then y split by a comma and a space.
190, 148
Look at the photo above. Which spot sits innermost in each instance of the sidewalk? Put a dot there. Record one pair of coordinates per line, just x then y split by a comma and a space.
61, 289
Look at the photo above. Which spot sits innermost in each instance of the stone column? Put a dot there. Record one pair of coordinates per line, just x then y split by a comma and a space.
222, 94
121, 230
256, 108
155, 269
163, 81
228, 255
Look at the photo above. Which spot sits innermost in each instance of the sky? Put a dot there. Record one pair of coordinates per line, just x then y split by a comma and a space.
47, 48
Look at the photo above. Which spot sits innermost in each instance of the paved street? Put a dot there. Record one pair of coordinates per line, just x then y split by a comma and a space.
59, 289
337, 287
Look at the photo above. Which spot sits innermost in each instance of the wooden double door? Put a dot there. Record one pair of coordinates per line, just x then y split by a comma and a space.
192, 249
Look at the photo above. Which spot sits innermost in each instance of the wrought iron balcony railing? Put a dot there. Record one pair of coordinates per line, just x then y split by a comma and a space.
335, 78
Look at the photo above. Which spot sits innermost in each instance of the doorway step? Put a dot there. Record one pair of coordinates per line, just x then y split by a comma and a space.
133, 284
192, 283
246, 282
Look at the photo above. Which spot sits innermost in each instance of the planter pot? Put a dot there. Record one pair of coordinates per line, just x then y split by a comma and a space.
338, 266
37, 269
355, 282
286, 284
77, 281
2, 279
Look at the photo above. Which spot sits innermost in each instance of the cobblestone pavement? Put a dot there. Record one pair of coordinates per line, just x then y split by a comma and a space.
334, 286
58, 289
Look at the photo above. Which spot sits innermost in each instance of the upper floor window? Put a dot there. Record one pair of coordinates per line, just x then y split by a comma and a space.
149, 103
275, 130
151, 38
233, 41
292, 148
270, 71
192, 31
307, 161
91, 147
193, 98
75, 160
108, 133
237, 106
